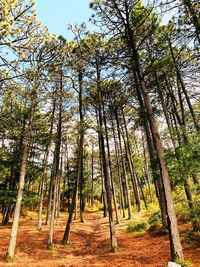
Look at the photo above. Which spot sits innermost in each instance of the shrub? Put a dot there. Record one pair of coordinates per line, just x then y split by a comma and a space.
155, 220
182, 212
96, 207
136, 227
194, 216
30, 202
184, 263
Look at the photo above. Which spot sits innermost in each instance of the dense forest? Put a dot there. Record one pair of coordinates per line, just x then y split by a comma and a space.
106, 123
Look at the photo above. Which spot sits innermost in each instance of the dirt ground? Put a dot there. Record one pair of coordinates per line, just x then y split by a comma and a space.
89, 246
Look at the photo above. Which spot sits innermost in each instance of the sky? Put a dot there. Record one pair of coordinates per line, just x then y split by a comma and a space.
57, 14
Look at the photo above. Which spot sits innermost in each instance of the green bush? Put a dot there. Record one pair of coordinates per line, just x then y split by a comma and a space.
96, 206
194, 215
8, 196
30, 201
155, 220
182, 212
184, 263
136, 227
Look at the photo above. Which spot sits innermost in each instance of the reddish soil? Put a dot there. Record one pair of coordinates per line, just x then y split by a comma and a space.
89, 246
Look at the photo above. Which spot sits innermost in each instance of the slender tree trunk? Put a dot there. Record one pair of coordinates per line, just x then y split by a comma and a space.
156, 170
74, 196
183, 87
124, 167
101, 170
175, 244
26, 146
131, 165
92, 178
170, 129
108, 190
76, 204
79, 162
146, 169
51, 228
107, 181
44, 176
175, 114
50, 195
55, 169
81, 196
188, 195
110, 165
121, 197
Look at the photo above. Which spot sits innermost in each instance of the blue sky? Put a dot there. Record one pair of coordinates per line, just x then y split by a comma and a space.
56, 14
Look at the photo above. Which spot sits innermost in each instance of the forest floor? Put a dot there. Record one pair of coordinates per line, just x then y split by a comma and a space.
89, 245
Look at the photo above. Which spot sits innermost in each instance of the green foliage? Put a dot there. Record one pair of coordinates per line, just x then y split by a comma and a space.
194, 215
191, 238
184, 263
152, 208
30, 201
8, 196
155, 220
96, 206
182, 212
185, 162
136, 226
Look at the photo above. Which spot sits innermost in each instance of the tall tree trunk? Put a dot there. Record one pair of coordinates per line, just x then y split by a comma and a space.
110, 164
81, 196
170, 129
105, 208
56, 165
175, 114
74, 196
121, 196
155, 167
44, 176
146, 169
26, 146
175, 244
183, 87
107, 181
92, 177
123, 167
79, 161
131, 165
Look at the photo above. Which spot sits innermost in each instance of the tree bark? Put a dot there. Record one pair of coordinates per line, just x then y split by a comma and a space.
121, 196
176, 248
26, 146
79, 161
131, 165
123, 167
110, 165
56, 165
183, 87
107, 181
44, 176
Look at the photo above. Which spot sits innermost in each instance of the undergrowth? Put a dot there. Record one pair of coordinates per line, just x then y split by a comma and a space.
138, 228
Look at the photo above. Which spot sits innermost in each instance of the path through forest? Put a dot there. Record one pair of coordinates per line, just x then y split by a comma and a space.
89, 245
